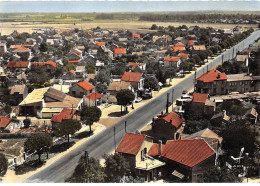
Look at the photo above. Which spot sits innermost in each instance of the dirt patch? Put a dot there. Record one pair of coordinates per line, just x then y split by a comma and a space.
108, 122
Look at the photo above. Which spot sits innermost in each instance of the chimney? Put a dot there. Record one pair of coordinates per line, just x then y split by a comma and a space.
160, 147
218, 76
170, 120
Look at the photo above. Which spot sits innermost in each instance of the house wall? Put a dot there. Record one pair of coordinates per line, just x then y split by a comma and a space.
240, 86
215, 88
77, 91
164, 131
202, 167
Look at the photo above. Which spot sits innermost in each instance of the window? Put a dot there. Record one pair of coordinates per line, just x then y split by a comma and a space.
245, 82
214, 82
73, 92
241, 82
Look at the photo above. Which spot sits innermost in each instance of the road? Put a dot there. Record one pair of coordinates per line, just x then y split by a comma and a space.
103, 143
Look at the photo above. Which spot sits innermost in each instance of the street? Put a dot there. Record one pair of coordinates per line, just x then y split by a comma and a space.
103, 143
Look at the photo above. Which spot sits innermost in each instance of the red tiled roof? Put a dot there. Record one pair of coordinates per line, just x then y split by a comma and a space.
190, 42
136, 36
183, 56
172, 58
131, 143
19, 46
85, 85
100, 43
179, 45
172, 118
199, 98
211, 76
154, 150
94, 96
120, 50
175, 49
4, 122
75, 53
21, 49
131, 76
71, 72
74, 61
64, 114
51, 63
189, 152
133, 64
17, 64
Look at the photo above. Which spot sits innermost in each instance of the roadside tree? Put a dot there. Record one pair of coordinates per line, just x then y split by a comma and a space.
39, 143
125, 97
3, 164
90, 115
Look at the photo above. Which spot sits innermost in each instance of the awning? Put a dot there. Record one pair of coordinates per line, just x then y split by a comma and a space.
177, 174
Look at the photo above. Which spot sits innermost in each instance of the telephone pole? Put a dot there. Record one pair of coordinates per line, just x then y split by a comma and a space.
167, 104
115, 138
172, 98
125, 126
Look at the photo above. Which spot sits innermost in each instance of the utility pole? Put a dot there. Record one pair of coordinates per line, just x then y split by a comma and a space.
125, 126
115, 138
233, 52
172, 98
222, 59
195, 78
167, 104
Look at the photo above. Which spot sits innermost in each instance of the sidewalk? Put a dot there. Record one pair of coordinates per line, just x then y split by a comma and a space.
11, 177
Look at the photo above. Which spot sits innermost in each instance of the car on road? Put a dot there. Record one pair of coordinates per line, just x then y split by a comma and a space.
138, 99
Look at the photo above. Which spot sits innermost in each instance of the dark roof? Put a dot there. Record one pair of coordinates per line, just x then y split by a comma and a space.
54, 95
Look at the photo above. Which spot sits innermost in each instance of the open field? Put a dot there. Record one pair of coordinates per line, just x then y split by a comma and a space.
8, 27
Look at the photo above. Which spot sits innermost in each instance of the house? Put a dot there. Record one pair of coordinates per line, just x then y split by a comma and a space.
4, 122
3, 48
219, 119
240, 83
115, 86
93, 99
197, 48
136, 36
137, 67
22, 65
81, 88
100, 43
81, 72
242, 60
178, 49
186, 159
134, 148
183, 56
65, 114
191, 43
46, 102
168, 126
18, 93
49, 64
210, 137
119, 51
172, 61
202, 104
212, 82
70, 75
74, 56
135, 78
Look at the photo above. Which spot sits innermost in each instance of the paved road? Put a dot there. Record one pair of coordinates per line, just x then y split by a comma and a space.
104, 142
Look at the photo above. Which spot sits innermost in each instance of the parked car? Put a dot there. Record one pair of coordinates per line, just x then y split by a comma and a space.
138, 99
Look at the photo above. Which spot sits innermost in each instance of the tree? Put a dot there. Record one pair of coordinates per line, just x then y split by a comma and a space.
219, 175
3, 164
116, 167
39, 143
90, 115
88, 170
27, 122
101, 88
236, 135
43, 47
125, 97
154, 27
151, 82
68, 127
24, 56
103, 76
38, 77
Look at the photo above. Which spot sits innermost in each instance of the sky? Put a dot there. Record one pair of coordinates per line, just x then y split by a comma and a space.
125, 6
